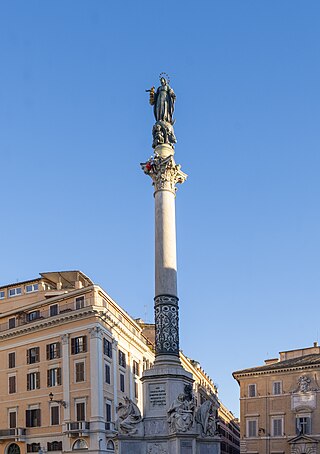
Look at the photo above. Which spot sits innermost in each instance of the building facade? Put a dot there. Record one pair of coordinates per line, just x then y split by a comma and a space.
69, 356
280, 404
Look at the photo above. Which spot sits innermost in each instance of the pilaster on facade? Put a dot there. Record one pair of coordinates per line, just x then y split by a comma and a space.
66, 377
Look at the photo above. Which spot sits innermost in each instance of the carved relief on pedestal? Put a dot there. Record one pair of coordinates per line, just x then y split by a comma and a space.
156, 426
165, 173
157, 448
167, 324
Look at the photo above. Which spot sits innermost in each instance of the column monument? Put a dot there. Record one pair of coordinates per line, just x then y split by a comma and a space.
171, 422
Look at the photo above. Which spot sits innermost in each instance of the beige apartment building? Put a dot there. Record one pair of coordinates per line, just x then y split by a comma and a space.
280, 404
69, 355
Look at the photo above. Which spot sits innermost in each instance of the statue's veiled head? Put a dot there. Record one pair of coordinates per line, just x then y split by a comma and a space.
163, 81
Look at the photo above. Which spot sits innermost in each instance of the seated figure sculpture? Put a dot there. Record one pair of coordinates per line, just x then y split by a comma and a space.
181, 413
129, 417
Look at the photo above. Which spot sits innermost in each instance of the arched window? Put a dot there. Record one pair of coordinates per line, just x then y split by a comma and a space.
13, 449
79, 444
110, 445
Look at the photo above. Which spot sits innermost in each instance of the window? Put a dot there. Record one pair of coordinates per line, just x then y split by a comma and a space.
55, 415
79, 371
107, 347
12, 323
78, 345
277, 430
54, 310
54, 377
108, 415
135, 367
33, 355
33, 381
303, 424
252, 427
110, 445
53, 350
34, 315
33, 447
54, 446
81, 411
32, 288
252, 392
107, 373
122, 359
12, 384
12, 419
15, 291
80, 302
276, 387
12, 360
136, 390
2, 295
122, 383
33, 418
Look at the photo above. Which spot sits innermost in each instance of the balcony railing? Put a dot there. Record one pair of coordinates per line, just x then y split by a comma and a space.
78, 426
17, 433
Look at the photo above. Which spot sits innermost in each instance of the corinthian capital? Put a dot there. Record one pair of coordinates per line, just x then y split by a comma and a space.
165, 173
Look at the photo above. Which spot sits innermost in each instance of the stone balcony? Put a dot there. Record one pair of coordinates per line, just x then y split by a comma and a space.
17, 434
78, 428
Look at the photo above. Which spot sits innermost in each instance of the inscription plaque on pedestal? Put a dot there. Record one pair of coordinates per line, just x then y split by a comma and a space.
209, 448
130, 447
157, 395
186, 447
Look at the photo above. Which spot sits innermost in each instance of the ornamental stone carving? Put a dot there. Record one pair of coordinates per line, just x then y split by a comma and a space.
181, 412
65, 339
96, 332
129, 420
167, 324
157, 448
165, 173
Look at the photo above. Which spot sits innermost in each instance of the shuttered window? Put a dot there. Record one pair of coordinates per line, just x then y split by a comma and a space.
53, 350
33, 418
12, 360
55, 416
12, 384
54, 377
252, 392
12, 419
33, 355
79, 371
81, 411
252, 428
276, 387
33, 381
277, 430
78, 345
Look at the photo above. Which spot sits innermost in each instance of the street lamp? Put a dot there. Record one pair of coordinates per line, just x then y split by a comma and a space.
60, 402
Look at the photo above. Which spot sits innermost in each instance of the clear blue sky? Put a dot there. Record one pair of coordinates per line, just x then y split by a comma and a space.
75, 124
